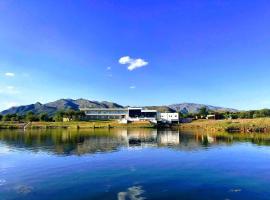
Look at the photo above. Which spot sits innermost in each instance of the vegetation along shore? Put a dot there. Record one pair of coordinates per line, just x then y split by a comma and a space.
257, 125
257, 121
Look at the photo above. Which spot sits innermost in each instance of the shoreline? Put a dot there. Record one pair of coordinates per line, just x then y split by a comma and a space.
258, 125
74, 125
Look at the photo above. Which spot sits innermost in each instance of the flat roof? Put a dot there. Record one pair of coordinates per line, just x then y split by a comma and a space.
149, 110
98, 109
120, 109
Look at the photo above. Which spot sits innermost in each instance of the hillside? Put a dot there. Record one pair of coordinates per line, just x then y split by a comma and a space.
194, 108
64, 104
160, 108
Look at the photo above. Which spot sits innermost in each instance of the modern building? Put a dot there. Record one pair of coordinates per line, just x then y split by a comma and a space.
169, 117
128, 114
139, 114
211, 117
105, 113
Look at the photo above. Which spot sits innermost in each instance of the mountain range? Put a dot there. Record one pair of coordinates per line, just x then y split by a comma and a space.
64, 104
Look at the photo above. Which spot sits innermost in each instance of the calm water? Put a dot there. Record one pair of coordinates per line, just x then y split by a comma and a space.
133, 164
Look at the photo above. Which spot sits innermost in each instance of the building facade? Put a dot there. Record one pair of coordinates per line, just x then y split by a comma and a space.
129, 114
105, 113
169, 117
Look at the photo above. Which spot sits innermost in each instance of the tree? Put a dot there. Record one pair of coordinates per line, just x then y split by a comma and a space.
30, 116
203, 111
70, 114
79, 115
1, 117
58, 117
7, 117
14, 117
43, 117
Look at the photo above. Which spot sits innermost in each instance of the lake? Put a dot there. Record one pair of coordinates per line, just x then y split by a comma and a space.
133, 164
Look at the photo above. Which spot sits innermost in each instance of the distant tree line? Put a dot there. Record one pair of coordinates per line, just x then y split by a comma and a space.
73, 115
251, 114
70, 115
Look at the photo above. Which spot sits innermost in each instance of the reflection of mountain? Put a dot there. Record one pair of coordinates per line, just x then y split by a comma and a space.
69, 142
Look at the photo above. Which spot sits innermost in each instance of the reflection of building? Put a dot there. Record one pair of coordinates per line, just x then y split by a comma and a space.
68, 142
142, 138
168, 138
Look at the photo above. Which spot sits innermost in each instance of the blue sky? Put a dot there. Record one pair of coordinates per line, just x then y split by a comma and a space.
146, 52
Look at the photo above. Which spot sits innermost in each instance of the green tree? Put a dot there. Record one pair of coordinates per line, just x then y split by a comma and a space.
7, 117
203, 111
58, 117
31, 117
79, 115
44, 117
14, 117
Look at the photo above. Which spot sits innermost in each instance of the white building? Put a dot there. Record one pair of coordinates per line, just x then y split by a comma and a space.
105, 113
169, 117
123, 114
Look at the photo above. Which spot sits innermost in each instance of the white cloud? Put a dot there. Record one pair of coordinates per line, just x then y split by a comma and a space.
9, 74
10, 104
132, 87
8, 90
10, 87
7, 104
109, 68
25, 74
132, 63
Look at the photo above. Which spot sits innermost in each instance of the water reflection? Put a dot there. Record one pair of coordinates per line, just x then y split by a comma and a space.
69, 142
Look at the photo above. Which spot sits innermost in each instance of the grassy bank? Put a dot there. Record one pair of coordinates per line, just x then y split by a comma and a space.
11, 125
74, 125
259, 125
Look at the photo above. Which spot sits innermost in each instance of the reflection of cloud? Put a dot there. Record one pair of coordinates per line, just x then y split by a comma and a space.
235, 190
23, 189
132, 193
4, 150
2, 181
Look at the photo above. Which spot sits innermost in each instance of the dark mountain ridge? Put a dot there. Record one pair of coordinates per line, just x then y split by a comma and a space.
194, 108
64, 104
61, 104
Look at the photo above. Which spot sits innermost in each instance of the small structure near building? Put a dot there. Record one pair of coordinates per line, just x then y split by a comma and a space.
211, 117
185, 120
66, 119
169, 117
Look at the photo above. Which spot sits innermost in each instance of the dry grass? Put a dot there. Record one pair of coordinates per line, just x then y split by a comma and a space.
91, 124
237, 125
